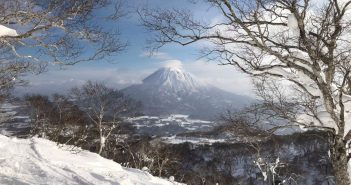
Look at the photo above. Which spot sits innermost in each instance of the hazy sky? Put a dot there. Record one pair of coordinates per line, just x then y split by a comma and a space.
132, 65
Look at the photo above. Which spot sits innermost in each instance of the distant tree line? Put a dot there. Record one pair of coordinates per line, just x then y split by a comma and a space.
89, 117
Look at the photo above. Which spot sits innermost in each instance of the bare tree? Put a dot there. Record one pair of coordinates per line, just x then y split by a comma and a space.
243, 126
149, 155
35, 34
305, 44
105, 108
41, 114
70, 122
58, 119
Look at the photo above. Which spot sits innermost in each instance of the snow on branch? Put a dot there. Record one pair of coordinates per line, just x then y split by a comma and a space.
7, 32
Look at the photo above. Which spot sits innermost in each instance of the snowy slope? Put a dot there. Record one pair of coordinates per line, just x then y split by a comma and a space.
39, 161
171, 90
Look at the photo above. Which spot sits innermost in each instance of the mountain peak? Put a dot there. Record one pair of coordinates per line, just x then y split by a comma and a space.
173, 78
172, 90
174, 68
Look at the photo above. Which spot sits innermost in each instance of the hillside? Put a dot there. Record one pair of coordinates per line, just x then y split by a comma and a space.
39, 161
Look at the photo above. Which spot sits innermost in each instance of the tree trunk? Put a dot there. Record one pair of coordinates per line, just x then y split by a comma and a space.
101, 146
339, 161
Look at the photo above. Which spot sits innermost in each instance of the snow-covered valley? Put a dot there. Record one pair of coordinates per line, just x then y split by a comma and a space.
169, 125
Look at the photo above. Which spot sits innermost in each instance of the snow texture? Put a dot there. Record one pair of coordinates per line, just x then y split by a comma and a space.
39, 161
5, 31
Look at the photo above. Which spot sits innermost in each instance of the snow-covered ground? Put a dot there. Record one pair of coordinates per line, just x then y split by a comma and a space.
14, 121
40, 161
193, 140
206, 140
169, 125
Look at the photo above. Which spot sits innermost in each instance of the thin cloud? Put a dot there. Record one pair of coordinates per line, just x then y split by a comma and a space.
156, 55
224, 77
61, 81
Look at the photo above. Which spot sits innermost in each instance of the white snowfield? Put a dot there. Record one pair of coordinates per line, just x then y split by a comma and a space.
40, 161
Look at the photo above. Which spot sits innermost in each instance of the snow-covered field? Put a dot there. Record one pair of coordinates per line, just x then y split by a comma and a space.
196, 140
39, 161
193, 140
14, 121
169, 125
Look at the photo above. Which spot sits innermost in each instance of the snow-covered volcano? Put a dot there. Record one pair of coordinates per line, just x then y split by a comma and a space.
173, 79
171, 90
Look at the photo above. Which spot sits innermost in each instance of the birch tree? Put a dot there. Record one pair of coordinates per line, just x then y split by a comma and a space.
105, 108
303, 43
57, 119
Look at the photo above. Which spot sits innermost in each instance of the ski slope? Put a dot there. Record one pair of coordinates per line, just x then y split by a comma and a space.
40, 161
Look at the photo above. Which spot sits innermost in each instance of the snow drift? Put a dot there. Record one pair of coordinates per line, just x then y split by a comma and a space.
39, 161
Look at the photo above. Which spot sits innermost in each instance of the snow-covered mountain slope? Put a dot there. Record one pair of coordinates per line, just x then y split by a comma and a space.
171, 90
173, 79
39, 161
